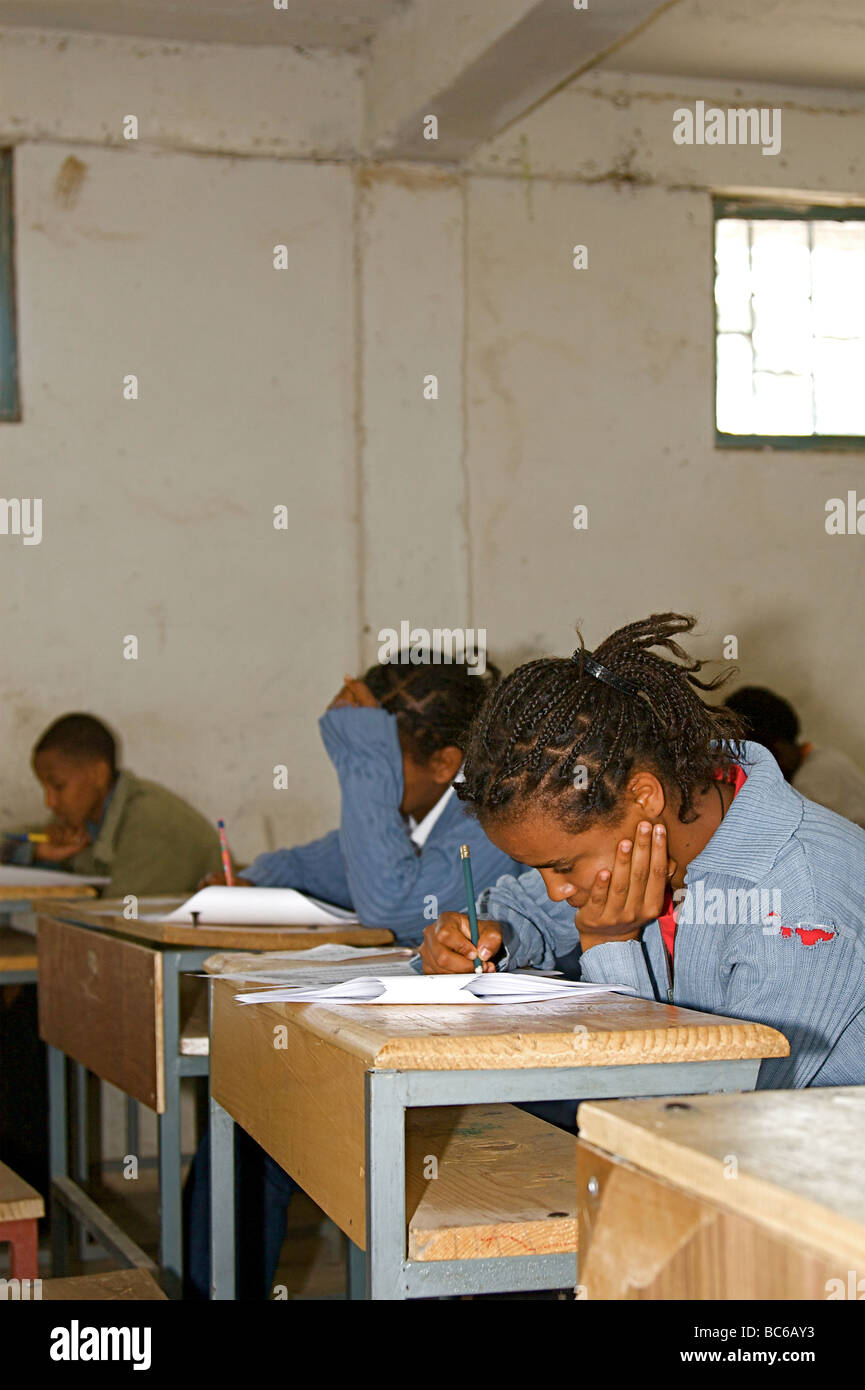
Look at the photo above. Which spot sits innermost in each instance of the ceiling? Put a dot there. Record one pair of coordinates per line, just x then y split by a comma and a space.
805, 43
342, 24
811, 43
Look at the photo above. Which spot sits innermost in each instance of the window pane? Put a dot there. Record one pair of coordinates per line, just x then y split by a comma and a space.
782, 335
734, 409
782, 404
790, 296
780, 259
838, 268
732, 276
839, 386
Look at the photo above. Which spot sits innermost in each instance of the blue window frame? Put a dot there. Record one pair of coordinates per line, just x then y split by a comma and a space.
10, 406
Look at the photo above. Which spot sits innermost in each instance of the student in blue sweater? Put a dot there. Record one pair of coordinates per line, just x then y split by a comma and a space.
395, 738
676, 854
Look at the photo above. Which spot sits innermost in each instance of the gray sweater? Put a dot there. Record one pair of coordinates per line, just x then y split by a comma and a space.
801, 970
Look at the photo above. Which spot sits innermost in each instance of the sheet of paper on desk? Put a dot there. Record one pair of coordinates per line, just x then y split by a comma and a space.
256, 907
23, 876
313, 976
504, 988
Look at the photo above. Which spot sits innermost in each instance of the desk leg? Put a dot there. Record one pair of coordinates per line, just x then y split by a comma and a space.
355, 1271
385, 1184
58, 1151
81, 1147
222, 1203
170, 1160
132, 1128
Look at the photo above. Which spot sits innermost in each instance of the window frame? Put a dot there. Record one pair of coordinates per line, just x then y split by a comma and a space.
10, 396
744, 209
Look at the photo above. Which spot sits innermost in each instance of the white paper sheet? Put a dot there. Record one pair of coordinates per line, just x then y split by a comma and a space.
408, 988
315, 976
23, 876
255, 907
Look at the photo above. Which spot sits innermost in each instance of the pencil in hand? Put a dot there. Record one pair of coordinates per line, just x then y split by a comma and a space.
226, 857
465, 856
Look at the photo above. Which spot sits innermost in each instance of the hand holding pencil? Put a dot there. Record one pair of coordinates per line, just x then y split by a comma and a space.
447, 947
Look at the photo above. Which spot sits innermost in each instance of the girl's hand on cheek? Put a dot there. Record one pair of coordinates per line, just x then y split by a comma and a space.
625, 898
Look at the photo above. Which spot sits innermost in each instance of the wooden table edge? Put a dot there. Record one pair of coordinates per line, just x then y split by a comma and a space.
604, 1132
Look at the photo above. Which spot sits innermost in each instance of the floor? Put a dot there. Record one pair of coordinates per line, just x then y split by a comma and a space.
313, 1256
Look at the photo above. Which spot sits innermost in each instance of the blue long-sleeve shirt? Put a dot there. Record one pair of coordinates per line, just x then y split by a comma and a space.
774, 851
370, 864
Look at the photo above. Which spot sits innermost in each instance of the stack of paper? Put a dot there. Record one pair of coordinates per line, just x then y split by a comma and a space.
506, 988
255, 907
23, 876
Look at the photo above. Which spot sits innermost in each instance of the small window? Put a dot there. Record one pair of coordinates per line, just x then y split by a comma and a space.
9, 403
790, 326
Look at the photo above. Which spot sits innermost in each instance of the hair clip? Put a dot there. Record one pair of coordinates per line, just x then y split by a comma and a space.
601, 673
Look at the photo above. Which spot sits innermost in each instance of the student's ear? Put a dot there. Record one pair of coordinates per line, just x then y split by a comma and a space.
445, 763
648, 792
102, 775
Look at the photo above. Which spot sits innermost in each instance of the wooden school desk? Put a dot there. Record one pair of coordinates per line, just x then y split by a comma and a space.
18, 957
327, 1098
109, 998
758, 1196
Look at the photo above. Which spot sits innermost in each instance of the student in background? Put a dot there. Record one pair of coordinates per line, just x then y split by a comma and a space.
110, 823
618, 785
396, 739
824, 775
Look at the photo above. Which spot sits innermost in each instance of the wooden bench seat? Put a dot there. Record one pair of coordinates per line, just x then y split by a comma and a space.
20, 1209
505, 1184
135, 1285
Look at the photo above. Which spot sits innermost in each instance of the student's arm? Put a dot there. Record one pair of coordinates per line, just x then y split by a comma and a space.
317, 869
813, 994
392, 883
149, 857
623, 963
536, 932
57, 852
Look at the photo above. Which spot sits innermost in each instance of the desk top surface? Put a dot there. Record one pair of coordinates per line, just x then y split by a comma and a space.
108, 916
614, 1031
789, 1159
48, 891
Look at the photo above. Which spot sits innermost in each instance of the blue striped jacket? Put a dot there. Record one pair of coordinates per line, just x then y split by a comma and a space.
801, 970
370, 863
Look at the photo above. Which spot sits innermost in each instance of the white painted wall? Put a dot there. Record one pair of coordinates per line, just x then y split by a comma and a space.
158, 513
304, 386
596, 387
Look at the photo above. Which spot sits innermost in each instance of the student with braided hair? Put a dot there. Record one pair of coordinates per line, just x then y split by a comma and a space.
395, 738
671, 852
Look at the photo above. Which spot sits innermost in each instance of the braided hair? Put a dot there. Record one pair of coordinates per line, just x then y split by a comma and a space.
551, 718
434, 704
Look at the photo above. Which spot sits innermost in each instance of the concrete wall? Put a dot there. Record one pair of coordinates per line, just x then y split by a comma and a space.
158, 512
596, 387
260, 387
